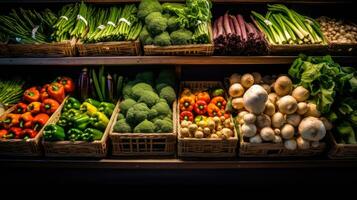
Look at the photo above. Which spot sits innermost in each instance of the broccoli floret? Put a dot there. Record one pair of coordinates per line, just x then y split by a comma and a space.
149, 98
168, 93
148, 6
162, 40
138, 113
139, 88
172, 24
145, 127
120, 116
152, 114
162, 108
125, 105
145, 37
122, 126
159, 86
167, 77
127, 89
146, 77
163, 126
181, 37
156, 23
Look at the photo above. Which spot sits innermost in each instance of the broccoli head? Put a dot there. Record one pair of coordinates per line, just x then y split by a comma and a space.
127, 89
168, 93
145, 37
145, 127
162, 108
148, 6
125, 105
159, 86
120, 116
172, 24
149, 98
163, 126
181, 37
162, 40
155, 23
166, 76
122, 126
139, 88
138, 113
146, 77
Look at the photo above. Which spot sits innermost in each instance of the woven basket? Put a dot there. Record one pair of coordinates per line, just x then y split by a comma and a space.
3, 50
144, 144
60, 49
276, 150
341, 151
206, 147
21, 147
123, 48
181, 50
343, 49
95, 149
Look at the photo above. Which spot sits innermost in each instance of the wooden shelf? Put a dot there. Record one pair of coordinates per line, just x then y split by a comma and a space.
161, 60
175, 164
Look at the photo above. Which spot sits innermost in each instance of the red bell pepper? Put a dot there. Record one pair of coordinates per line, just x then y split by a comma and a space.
186, 115
28, 133
40, 120
49, 106
200, 107
3, 133
203, 96
44, 92
56, 91
220, 102
32, 95
12, 119
26, 120
34, 107
67, 83
21, 108
213, 110
14, 133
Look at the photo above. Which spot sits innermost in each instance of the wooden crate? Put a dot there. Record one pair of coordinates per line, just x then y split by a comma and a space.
60, 49
247, 149
122, 48
144, 144
342, 48
341, 151
205, 147
182, 50
95, 149
21, 147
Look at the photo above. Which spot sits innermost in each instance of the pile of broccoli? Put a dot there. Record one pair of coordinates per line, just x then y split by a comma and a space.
147, 104
164, 25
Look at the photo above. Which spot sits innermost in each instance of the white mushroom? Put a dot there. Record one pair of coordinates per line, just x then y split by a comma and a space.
273, 98
277, 131
301, 108
247, 80
293, 119
255, 99
312, 110
290, 144
301, 94
267, 134
287, 104
256, 139
269, 109
249, 118
287, 132
249, 130
278, 120
263, 121
312, 129
237, 103
277, 139
240, 116
283, 86
236, 90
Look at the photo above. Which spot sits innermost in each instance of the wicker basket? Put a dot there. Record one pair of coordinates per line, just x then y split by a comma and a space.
341, 151
343, 49
95, 149
204, 148
144, 144
181, 50
60, 49
123, 48
3, 50
247, 149
21, 147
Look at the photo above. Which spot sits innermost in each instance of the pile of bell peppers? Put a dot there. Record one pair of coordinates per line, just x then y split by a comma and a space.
38, 104
85, 121
197, 106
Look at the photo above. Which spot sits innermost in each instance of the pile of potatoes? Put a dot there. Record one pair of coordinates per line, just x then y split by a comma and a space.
270, 109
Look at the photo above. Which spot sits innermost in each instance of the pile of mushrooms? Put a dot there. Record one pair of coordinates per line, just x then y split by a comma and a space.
272, 110
338, 31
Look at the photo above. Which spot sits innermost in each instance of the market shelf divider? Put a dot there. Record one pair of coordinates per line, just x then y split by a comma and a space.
95, 149
145, 144
22, 147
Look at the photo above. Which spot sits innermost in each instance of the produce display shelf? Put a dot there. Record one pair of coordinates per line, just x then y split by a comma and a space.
161, 60
215, 1
112, 163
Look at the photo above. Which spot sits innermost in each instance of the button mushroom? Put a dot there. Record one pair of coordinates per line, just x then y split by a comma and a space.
278, 120
300, 94
287, 104
236, 90
293, 119
312, 129
287, 132
249, 118
249, 130
247, 80
283, 86
267, 134
255, 99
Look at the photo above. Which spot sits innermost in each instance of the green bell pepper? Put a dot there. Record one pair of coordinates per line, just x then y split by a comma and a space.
100, 121
54, 132
64, 120
81, 121
88, 108
93, 102
73, 112
91, 134
74, 134
106, 108
71, 103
